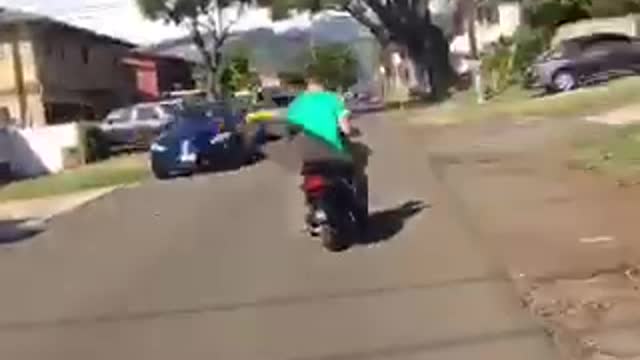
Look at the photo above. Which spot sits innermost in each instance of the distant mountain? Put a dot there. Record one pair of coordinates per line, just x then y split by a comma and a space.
273, 51
278, 48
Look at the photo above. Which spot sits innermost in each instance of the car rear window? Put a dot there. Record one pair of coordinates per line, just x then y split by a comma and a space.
146, 113
170, 108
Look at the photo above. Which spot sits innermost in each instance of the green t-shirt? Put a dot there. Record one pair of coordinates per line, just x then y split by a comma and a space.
319, 114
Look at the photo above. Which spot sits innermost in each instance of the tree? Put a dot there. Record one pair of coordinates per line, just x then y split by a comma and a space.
608, 8
204, 19
335, 65
549, 14
236, 74
407, 23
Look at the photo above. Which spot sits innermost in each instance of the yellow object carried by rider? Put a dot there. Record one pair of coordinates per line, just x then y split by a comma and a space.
262, 115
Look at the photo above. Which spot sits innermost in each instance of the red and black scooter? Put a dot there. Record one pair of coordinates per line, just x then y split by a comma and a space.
337, 209
337, 205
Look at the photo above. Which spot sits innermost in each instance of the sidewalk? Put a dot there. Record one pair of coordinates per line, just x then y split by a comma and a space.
568, 239
623, 116
26, 218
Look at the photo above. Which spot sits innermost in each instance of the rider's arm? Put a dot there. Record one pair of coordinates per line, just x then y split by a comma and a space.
345, 123
344, 120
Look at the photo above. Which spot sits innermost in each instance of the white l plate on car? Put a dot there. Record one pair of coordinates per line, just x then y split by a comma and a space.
186, 154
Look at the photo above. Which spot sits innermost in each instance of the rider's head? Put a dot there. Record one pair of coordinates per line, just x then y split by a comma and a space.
314, 84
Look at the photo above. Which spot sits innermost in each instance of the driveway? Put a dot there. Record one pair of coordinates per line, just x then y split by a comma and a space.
216, 267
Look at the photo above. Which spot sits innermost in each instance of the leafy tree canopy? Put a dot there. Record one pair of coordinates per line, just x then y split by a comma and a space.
202, 18
237, 74
335, 65
552, 13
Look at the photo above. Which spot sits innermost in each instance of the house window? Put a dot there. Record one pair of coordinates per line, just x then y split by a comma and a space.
48, 49
84, 54
61, 52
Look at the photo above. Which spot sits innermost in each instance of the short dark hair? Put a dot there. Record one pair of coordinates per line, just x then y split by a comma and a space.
312, 78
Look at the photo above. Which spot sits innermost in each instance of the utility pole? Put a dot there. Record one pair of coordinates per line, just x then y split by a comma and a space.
476, 68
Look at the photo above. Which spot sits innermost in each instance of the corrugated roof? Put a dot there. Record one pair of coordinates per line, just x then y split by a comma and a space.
10, 16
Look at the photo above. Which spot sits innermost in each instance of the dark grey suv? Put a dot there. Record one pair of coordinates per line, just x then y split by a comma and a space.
135, 127
589, 59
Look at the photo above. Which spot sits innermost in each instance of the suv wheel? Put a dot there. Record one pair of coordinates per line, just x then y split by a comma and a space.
564, 80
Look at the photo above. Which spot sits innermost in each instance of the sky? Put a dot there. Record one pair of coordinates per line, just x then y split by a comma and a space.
121, 18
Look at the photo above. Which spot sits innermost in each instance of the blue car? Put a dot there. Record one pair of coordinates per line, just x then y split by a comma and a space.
202, 137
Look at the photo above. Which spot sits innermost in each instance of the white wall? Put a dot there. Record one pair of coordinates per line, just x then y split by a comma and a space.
37, 151
510, 15
510, 18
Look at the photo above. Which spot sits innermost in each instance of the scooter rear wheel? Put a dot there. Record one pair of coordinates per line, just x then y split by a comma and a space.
331, 240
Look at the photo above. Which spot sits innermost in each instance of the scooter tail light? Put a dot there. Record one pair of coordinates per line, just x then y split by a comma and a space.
312, 184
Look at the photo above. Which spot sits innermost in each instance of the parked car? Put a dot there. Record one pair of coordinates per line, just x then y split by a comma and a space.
135, 127
203, 137
579, 61
363, 102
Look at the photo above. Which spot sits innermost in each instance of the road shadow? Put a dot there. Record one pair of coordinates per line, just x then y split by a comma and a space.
385, 224
234, 163
15, 231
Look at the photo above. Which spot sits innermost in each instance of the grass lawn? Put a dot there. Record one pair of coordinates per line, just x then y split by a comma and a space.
517, 104
617, 154
117, 171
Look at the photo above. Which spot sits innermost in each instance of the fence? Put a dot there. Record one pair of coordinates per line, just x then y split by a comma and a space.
37, 151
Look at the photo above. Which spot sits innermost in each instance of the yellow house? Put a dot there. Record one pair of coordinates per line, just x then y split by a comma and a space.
52, 72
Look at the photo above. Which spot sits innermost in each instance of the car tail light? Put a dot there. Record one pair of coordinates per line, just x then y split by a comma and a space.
314, 183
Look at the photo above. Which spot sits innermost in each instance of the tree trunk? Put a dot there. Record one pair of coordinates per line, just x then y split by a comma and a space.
472, 9
471, 29
425, 44
217, 72
428, 49
209, 60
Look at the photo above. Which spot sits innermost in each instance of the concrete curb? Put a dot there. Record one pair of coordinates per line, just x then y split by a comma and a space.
20, 220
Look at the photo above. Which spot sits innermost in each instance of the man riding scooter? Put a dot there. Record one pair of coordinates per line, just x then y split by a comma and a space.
326, 126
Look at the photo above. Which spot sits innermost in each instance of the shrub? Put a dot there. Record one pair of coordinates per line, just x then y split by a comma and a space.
507, 62
94, 145
528, 44
498, 66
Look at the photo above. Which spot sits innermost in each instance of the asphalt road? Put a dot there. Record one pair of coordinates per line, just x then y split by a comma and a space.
216, 267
